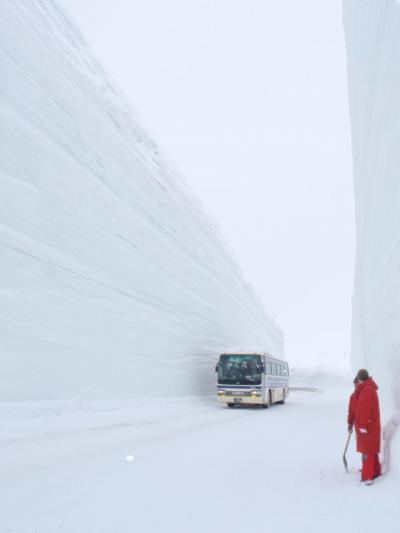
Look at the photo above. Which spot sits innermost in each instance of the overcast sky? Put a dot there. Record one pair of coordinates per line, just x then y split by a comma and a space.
249, 100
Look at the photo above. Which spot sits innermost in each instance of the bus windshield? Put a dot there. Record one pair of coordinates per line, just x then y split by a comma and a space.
240, 369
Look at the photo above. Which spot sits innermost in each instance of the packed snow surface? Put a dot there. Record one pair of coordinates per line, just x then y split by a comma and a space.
188, 464
113, 282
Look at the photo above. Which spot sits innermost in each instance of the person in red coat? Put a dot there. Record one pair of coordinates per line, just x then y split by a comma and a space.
351, 413
368, 426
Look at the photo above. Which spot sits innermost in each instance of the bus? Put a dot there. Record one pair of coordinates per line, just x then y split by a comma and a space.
252, 379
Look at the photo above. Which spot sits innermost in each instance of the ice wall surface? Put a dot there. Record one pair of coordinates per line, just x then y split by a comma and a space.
373, 44
113, 281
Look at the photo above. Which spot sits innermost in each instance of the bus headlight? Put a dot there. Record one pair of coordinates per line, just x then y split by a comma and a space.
253, 393
221, 393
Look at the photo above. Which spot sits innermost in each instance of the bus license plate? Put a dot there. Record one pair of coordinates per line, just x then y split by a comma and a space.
237, 400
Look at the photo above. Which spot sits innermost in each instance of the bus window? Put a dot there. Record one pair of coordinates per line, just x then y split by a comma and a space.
273, 370
269, 368
284, 371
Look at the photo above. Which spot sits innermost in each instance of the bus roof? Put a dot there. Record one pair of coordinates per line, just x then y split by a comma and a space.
266, 354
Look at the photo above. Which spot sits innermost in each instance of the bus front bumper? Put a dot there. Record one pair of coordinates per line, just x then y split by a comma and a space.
241, 399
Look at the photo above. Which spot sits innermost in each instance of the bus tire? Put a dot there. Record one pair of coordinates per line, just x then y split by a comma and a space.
231, 405
268, 402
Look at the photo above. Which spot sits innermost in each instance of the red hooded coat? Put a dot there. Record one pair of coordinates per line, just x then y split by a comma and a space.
367, 417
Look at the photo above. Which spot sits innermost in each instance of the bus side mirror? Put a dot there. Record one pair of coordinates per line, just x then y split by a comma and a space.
263, 368
216, 367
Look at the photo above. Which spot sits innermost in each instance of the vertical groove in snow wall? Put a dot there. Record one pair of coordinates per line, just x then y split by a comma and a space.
113, 281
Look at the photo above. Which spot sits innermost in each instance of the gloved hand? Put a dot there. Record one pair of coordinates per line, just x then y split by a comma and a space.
364, 430
350, 428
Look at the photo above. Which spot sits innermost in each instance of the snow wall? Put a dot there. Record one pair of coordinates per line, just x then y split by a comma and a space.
113, 282
373, 47
372, 29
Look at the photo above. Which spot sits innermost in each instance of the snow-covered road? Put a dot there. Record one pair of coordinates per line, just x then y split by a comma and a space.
197, 467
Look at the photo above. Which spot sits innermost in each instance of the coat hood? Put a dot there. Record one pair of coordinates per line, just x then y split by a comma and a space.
368, 383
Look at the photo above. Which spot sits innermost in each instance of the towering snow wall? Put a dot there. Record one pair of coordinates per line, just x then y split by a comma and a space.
112, 280
372, 30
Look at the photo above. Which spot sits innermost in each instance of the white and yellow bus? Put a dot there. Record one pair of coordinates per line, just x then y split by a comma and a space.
252, 378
